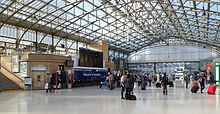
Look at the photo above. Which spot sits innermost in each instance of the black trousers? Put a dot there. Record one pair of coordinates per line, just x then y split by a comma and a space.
202, 87
187, 84
122, 91
149, 83
128, 92
51, 89
165, 89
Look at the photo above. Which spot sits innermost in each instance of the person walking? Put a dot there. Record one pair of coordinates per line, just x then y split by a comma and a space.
164, 83
124, 76
202, 82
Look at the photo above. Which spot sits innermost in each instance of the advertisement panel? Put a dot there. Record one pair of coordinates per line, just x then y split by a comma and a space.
23, 69
15, 63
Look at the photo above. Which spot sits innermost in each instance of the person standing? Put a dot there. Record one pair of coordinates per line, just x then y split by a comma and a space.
150, 78
111, 81
128, 86
158, 77
211, 79
132, 80
52, 82
202, 82
124, 76
164, 83
170, 81
47, 81
186, 78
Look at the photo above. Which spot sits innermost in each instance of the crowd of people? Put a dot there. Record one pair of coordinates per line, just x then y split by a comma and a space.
126, 81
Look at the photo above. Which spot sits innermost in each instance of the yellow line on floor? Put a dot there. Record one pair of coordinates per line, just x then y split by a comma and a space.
9, 90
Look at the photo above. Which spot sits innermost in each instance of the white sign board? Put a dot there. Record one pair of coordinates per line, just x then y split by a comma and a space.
23, 69
27, 80
38, 68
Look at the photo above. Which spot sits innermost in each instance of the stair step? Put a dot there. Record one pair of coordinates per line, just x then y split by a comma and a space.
6, 84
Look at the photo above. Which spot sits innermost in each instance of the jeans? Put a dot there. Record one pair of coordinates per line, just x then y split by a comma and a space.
52, 90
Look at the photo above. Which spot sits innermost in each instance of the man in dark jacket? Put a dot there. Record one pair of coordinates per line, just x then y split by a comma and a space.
164, 83
129, 83
211, 79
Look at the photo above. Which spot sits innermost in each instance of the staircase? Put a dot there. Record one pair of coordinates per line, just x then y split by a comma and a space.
6, 84
9, 80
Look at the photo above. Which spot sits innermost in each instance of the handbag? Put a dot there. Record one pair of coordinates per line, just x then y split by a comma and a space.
46, 86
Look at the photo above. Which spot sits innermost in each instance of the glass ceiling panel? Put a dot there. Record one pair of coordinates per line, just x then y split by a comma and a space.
10, 40
112, 21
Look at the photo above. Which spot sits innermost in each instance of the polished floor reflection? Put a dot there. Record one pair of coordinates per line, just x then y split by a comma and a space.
92, 100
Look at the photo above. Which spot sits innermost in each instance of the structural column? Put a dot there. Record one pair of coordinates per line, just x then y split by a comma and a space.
52, 47
5, 48
77, 48
36, 45
155, 69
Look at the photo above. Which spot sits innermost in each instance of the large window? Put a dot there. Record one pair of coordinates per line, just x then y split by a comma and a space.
172, 54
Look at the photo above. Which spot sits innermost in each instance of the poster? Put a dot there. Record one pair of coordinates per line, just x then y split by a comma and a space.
15, 63
23, 69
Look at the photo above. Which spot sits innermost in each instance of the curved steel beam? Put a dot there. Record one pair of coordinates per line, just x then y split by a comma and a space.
18, 41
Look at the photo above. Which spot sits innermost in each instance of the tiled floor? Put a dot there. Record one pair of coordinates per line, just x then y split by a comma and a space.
92, 100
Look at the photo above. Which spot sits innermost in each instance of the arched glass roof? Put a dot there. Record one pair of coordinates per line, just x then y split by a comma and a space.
128, 25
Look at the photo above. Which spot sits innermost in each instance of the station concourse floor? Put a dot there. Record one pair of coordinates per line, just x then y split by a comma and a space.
93, 100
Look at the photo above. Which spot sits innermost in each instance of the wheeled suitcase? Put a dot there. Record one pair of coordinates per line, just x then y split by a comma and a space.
158, 85
143, 85
211, 89
194, 89
133, 97
195, 84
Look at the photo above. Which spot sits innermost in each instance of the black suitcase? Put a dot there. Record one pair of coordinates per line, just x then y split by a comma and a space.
143, 86
130, 97
133, 97
194, 89
158, 85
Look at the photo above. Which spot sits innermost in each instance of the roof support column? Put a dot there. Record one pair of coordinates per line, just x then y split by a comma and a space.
5, 48
17, 37
155, 68
77, 47
52, 47
36, 40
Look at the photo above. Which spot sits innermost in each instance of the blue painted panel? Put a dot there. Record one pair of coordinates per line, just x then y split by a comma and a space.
86, 74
